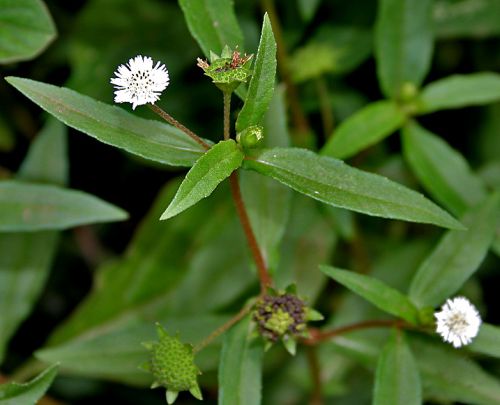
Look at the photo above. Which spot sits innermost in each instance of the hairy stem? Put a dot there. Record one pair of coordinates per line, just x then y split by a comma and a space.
227, 114
265, 279
171, 120
219, 331
299, 119
318, 336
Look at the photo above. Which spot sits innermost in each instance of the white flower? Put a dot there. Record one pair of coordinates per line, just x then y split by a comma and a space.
138, 82
458, 321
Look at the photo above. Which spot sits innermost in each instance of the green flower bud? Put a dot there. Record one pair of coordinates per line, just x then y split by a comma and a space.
227, 71
250, 137
172, 365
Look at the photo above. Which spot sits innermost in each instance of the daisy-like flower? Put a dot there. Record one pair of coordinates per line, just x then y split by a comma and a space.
138, 82
458, 321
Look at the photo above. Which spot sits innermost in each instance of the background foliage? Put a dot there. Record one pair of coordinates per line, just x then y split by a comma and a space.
403, 89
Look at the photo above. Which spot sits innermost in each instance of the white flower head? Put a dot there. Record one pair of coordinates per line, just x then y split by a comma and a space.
138, 82
458, 321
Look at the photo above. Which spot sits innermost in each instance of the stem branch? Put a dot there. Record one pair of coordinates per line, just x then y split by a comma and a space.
318, 336
219, 331
171, 120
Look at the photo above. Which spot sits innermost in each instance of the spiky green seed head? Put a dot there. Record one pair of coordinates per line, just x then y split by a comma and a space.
172, 365
227, 71
250, 137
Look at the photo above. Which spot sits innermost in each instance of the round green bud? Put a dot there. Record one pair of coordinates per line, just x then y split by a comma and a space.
250, 137
408, 92
172, 365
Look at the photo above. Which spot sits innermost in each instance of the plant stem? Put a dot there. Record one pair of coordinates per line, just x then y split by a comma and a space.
318, 336
264, 277
227, 114
299, 119
171, 120
219, 331
325, 107
312, 358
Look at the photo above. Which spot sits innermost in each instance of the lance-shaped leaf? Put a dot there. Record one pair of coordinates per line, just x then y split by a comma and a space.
460, 91
213, 24
37, 207
240, 368
397, 379
333, 182
214, 166
149, 139
449, 376
442, 170
28, 393
366, 127
22, 276
26, 29
378, 293
403, 43
460, 19
457, 256
487, 341
260, 89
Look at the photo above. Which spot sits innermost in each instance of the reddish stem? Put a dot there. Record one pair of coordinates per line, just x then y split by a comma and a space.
264, 277
318, 336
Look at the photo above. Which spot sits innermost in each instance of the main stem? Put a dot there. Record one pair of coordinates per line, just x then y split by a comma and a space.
264, 277
171, 120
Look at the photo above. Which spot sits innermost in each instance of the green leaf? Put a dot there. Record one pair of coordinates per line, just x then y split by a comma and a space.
214, 166
308, 242
213, 24
378, 293
457, 256
26, 29
261, 87
116, 353
366, 127
459, 91
443, 171
36, 207
403, 43
487, 341
463, 19
22, 275
397, 381
336, 50
112, 125
240, 369
333, 182
448, 376
28, 393
166, 268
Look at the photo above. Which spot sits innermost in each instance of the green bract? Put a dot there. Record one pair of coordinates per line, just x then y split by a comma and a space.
229, 70
172, 365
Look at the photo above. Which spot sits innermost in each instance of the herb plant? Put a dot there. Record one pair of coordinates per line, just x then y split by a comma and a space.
302, 256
